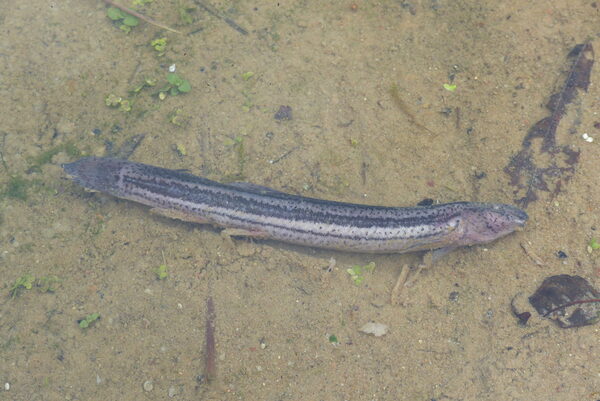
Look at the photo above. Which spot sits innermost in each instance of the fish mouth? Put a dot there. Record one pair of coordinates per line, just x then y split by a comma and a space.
516, 215
521, 218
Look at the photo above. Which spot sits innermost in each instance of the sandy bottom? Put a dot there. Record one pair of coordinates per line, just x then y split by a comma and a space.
370, 122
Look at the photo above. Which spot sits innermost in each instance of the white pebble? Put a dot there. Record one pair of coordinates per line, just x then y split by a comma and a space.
172, 68
377, 329
7, 386
148, 385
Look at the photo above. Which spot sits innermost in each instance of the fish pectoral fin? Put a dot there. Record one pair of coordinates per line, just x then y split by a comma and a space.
179, 215
439, 253
240, 232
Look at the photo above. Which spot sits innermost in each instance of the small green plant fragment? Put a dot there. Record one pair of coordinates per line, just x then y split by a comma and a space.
179, 118
176, 86
180, 149
88, 320
24, 282
115, 101
115, 14
160, 45
450, 87
126, 21
185, 86
174, 79
130, 20
182, 84
148, 83
357, 272
138, 3
161, 272
333, 339
247, 75
593, 245
48, 283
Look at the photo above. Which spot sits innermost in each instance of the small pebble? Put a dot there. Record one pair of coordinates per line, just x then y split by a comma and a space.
172, 392
7, 386
172, 68
377, 329
148, 385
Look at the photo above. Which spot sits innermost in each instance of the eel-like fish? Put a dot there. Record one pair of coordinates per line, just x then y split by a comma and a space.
252, 210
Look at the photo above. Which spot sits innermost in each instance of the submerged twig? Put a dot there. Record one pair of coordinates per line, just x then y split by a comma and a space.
404, 109
529, 252
397, 290
210, 348
212, 11
140, 16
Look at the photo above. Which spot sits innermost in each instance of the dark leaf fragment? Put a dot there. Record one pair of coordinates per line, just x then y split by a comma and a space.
570, 301
284, 113
529, 176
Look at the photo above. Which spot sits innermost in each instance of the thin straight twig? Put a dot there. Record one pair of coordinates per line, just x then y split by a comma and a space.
210, 348
397, 290
212, 11
140, 16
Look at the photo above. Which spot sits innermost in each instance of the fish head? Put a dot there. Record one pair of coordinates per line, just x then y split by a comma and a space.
485, 222
96, 173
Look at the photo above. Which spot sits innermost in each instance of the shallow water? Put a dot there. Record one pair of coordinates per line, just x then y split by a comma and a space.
350, 139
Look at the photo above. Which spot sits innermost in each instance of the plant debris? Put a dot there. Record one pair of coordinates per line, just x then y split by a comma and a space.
284, 113
528, 174
215, 13
210, 349
570, 301
127, 147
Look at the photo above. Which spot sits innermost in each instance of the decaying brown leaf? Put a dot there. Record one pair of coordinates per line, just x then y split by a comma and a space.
568, 300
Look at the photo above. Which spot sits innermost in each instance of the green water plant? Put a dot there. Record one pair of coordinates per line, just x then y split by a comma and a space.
160, 45
124, 20
161, 272
357, 272
88, 320
176, 85
450, 87
25, 282
48, 283
115, 101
